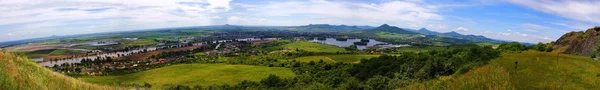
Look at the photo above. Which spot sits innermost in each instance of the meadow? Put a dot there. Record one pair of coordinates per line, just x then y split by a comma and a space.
193, 74
528, 70
313, 47
336, 58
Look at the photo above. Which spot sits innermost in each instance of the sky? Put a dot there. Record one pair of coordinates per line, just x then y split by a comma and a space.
514, 20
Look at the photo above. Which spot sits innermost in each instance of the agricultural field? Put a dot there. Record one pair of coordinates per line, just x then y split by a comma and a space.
194, 74
336, 58
64, 52
313, 47
525, 71
140, 42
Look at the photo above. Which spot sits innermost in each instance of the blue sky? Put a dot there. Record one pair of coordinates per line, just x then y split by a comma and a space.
517, 20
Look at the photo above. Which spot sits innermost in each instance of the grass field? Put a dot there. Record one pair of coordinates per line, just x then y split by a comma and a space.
395, 35
38, 53
313, 47
336, 58
194, 74
64, 52
535, 70
20, 73
140, 42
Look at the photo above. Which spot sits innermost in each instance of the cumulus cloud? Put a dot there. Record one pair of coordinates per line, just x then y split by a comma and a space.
409, 12
579, 10
49, 17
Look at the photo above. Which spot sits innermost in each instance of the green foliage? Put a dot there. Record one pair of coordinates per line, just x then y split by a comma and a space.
512, 47
518, 47
559, 71
541, 47
272, 81
383, 72
193, 74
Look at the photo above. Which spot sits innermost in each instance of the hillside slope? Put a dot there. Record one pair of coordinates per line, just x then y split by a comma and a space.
535, 70
20, 73
580, 43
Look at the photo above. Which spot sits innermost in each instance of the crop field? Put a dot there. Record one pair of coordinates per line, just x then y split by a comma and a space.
194, 74
336, 58
525, 71
64, 52
313, 47
140, 42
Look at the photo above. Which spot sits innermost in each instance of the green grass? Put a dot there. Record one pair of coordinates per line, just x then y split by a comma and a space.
395, 35
64, 52
315, 59
313, 47
140, 42
336, 58
38, 53
194, 74
535, 70
20, 73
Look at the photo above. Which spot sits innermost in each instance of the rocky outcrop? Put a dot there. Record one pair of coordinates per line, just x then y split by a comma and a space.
579, 43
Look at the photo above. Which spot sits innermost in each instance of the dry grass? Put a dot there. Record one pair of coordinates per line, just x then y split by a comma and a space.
20, 73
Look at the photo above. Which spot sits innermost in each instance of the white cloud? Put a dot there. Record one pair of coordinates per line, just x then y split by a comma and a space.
219, 5
39, 18
399, 13
462, 29
237, 20
580, 10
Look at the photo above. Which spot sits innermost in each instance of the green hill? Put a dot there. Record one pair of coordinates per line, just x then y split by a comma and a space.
535, 70
20, 73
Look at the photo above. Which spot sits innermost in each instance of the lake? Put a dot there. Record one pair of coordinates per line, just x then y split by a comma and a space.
348, 42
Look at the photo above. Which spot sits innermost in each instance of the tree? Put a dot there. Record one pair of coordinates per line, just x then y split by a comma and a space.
378, 82
147, 85
272, 81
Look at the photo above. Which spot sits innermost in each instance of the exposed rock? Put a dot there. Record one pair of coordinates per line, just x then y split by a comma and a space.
579, 43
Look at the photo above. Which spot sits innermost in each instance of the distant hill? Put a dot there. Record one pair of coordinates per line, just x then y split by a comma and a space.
579, 43
453, 34
20, 73
392, 29
327, 27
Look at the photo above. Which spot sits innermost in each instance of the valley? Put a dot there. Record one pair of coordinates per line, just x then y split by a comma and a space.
384, 57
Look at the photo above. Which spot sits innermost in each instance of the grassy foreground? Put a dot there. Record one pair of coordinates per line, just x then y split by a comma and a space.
313, 47
194, 74
336, 58
535, 70
20, 73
